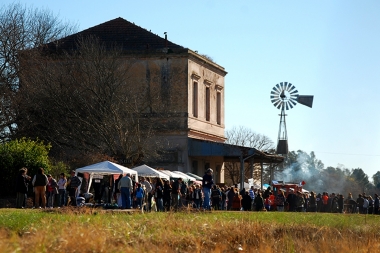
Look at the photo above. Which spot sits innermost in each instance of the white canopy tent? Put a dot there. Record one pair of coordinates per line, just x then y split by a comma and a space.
146, 171
173, 174
246, 186
194, 176
105, 168
188, 177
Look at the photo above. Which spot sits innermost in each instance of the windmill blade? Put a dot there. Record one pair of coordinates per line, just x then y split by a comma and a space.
275, 92
306, 100
292, 88
278, 87
287, 106
293, 101
279, 105
287, 86
276, 103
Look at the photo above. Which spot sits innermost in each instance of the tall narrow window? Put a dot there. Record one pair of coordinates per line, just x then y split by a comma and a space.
195, 99
207, 104
218, 108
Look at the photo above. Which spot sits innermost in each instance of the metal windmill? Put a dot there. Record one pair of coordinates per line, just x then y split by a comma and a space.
285, 96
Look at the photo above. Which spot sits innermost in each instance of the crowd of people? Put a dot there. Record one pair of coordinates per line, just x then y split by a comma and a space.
47, 191
165, 195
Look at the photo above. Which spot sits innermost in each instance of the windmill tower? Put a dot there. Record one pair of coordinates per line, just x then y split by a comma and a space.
285, 96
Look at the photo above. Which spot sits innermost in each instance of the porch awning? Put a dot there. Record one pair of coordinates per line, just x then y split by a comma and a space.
231, 153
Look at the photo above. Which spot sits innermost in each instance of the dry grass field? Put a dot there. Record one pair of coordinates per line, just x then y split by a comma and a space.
94, 230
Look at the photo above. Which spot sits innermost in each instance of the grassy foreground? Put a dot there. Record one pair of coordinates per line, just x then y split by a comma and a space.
92, 230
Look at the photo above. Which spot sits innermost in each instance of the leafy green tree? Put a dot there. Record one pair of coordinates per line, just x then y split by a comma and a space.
376, 179
20, 153
360, 180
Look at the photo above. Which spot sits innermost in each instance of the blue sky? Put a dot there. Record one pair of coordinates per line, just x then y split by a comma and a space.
329, 49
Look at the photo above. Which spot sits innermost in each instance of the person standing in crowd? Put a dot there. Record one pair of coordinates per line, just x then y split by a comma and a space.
224, 198
259, 202
28, 179
39, 183
360, 201
280, 201
189, 196
300, 202
216, 197
365, 205
252, 195
230, 197
167, 195
117, 191
246, 201
376, 204
21, 188
62, 190
312, 203
292, 201
159, 194
183, 196
207, 183
268, 201
74, 183
370, 206
318, 199
176, 193
140, 193
197, 196
340, 203
148, 189
325, 202
236, 201
126, 188
51, 191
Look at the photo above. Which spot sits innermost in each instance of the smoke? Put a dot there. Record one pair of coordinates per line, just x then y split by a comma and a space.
317, 179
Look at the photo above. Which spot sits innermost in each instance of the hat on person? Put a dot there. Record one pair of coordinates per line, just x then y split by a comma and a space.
209, 170
48, 175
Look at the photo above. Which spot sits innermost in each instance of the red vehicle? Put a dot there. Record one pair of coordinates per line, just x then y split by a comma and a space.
286, 187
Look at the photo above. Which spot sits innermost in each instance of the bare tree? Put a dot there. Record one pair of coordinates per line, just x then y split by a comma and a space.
245, 137
21, 28
88, 101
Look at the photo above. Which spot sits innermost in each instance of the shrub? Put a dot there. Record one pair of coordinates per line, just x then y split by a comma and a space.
20, 153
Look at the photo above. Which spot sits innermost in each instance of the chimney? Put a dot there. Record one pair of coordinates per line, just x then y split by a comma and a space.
166, 39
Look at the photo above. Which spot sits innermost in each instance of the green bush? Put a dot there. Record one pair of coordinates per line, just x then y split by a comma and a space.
20, 153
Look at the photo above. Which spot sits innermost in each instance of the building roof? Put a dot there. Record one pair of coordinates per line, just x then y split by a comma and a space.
230, 153
118, 32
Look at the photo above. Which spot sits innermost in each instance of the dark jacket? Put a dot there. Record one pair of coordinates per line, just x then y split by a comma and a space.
207, 181
74, 182
259, 203
176, 187
21, 184
41, 180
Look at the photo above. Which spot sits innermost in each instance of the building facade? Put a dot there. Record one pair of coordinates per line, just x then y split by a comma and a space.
191, 88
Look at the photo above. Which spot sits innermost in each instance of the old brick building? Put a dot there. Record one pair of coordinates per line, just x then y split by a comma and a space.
192, 89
